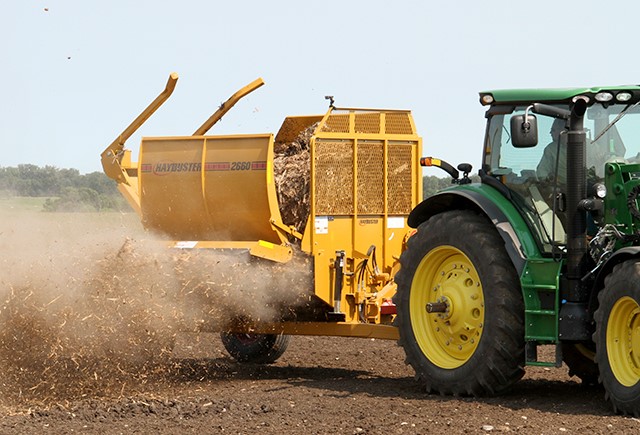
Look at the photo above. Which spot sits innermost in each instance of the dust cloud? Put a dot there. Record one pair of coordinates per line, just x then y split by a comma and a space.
90, 304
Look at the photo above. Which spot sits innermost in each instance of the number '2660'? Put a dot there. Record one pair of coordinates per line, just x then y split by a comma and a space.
240, 166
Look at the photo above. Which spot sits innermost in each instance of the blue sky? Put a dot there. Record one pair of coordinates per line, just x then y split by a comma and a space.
76, 74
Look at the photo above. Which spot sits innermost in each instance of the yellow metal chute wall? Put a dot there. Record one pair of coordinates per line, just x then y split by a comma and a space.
214, 188
364, 168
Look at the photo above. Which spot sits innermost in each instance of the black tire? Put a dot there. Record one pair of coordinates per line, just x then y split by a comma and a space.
255, 348
580, 358
482, 287
617, 339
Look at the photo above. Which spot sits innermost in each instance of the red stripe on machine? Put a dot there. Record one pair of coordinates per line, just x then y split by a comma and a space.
217, 166
258, 166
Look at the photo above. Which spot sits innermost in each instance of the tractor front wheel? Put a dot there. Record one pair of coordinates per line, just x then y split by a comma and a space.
617, 337
460, 307
255, 348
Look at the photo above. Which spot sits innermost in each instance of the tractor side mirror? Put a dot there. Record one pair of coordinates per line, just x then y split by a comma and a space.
524, 131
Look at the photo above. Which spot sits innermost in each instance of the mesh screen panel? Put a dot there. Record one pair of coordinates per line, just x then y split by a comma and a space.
370, 178
333, 177
367, 123
399, 178
398, 123
337, 124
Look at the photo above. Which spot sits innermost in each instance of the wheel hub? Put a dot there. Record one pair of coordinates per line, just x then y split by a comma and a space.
440, 306
450, 329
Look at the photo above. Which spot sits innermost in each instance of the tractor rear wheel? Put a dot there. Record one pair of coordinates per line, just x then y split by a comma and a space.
460, 308
617, 337
255, 348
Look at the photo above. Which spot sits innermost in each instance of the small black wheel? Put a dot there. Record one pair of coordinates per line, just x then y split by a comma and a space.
255, 348
460, 307
617, 337
580, 358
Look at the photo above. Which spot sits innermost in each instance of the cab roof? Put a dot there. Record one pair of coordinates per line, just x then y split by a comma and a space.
515, 96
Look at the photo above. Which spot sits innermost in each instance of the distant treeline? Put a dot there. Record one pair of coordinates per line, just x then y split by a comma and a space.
65, 189
432, 184
68, 190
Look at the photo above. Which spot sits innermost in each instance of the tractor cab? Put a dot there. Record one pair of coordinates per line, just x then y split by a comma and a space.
532, 169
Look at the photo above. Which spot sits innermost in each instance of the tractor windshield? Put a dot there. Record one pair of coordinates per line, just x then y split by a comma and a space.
537, 175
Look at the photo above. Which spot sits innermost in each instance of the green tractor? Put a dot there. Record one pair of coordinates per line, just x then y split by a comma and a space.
544, 250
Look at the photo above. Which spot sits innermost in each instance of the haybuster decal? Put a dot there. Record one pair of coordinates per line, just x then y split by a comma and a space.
164, 168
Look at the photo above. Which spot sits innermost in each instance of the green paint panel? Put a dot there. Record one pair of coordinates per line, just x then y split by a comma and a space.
540, 282
551, 94
527, 241
620, 179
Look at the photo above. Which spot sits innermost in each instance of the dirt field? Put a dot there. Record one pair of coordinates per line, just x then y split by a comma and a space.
81, 352
320, 385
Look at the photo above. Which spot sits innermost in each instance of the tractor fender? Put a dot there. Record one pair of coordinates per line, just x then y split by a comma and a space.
618, 257
472, 200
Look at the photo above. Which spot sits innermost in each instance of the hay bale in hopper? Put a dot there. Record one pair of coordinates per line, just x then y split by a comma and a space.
292, 172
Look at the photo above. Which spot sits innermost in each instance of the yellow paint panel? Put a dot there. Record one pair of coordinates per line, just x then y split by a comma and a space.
209, 188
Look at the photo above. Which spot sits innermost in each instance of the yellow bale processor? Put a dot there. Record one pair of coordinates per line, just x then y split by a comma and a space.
220, 193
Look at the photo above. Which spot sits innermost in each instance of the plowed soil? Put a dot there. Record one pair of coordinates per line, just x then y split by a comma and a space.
82, 350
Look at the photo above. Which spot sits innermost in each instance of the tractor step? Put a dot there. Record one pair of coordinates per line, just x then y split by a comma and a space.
531, 355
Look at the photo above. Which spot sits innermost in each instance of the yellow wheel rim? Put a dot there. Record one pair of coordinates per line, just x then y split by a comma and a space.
623, 341
448, 339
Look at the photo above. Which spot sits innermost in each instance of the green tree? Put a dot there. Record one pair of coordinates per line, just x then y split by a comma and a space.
432, 184
66, 189
80, 199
